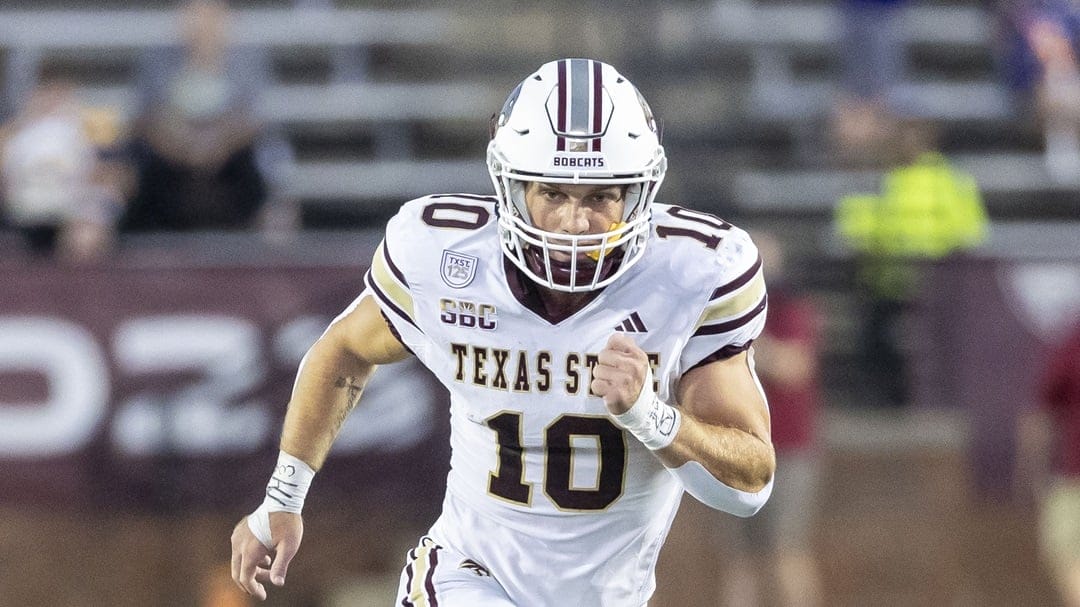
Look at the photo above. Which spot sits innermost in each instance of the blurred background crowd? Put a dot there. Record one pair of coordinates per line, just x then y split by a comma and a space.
189, 190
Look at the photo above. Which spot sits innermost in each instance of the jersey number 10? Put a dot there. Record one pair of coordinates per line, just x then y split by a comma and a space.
507, 482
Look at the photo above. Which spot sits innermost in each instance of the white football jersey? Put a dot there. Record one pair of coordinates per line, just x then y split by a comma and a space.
545, 491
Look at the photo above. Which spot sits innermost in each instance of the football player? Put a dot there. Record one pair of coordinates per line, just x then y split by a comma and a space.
596, 347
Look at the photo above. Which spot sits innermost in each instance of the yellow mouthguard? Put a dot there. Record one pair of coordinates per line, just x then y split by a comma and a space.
595, 255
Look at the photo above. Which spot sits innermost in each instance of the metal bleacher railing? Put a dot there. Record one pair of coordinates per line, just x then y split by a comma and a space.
342, 38
776, 36
771, 89
770, 39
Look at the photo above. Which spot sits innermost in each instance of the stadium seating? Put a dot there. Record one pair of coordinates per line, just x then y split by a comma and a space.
97, 49
743, 86
382, 104
381, 101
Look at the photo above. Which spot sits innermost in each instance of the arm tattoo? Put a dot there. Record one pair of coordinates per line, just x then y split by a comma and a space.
353, 387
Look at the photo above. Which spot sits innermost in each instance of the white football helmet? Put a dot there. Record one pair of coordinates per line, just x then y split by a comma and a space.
575, 121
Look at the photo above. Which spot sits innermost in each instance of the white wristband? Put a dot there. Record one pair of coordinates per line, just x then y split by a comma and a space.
285, 492
289, 485
651, 420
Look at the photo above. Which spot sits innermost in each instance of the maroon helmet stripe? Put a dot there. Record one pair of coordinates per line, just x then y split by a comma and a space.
598, 104
563, 102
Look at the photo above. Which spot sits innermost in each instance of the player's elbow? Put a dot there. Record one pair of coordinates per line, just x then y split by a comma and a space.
755, 472
742, 502
761, 473
753, 496
747, 503
754, 499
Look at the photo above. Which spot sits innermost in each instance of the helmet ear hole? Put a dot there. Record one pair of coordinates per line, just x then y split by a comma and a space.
517, 199
632, 195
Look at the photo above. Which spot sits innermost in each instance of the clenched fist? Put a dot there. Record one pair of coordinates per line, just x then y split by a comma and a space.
620, 373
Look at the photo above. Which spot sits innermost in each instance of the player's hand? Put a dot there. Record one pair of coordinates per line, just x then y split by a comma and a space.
620, 372
253, 564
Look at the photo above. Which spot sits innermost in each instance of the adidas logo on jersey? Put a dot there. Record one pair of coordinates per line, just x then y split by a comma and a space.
632, 324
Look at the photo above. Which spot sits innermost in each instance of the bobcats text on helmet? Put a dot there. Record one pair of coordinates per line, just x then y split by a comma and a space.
575, 121
585, 162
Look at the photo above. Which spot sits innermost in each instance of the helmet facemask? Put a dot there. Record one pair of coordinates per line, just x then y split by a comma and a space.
575, 121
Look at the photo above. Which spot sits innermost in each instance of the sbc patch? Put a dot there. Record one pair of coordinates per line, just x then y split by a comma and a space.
458, 270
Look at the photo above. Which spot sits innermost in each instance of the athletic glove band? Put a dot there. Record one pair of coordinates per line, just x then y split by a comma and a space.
651, 420
285, 492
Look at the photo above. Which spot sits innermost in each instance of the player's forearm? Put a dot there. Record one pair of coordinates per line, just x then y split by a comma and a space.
328, 386
734, 457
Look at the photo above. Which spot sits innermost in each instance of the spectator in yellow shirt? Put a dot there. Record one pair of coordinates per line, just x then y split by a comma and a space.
926, 210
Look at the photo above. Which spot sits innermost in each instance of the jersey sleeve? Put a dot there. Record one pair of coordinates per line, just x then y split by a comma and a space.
734, 314
388, 278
